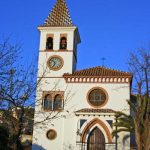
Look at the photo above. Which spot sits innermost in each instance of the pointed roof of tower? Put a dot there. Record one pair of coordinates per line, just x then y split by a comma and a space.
59, 16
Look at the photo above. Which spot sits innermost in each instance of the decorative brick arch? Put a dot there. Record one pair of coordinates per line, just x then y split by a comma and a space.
91, 124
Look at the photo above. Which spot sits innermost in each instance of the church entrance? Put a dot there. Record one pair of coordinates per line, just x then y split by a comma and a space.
96, 140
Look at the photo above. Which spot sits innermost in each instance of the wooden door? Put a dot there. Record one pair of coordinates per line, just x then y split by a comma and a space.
96, 140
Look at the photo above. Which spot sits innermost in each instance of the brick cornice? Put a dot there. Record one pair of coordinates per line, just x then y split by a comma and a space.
97, 79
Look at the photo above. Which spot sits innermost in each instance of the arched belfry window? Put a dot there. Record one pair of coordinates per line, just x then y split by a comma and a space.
48, 103
49, 43
57, 102
63, 43
53, 101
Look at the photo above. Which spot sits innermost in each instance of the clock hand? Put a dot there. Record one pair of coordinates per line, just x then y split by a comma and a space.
52, 63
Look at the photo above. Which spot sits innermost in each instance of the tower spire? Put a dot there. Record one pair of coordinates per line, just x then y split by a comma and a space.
59, 16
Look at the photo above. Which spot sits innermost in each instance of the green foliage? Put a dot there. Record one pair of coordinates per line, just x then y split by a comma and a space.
124, 123
138, 123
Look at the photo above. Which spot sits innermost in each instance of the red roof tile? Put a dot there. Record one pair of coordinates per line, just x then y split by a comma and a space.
99, 71
59, 16
88, 110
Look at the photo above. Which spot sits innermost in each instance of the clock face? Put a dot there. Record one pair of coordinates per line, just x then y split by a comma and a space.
55, 63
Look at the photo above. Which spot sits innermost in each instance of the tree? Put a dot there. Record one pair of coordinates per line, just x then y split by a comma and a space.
139, 65
17, 94
17, 91
4, 138
8, 55
139, 122
18, 87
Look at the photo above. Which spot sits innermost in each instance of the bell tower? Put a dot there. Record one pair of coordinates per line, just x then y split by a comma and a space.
58, 42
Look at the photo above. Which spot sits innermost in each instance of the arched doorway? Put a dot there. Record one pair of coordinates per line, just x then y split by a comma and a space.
96, 140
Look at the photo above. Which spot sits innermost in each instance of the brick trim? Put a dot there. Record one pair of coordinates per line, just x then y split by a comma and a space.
96, 79
90, 125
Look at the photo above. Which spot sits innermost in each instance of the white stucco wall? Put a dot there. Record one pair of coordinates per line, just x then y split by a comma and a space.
66, 126
117, 93
65, 123
68, 55
57, 31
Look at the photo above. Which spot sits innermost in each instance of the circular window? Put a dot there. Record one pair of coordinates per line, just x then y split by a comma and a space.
51, 134
97, 97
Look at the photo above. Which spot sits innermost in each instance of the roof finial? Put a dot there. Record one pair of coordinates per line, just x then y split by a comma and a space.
103, 61
59, 16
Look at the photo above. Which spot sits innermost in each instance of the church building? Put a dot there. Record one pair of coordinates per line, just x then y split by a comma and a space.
75, 109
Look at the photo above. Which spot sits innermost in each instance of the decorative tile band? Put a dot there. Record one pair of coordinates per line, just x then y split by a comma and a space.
97, 79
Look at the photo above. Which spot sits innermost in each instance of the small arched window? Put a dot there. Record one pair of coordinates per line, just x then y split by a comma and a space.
63, 43
49, 43
48, 103
57, 102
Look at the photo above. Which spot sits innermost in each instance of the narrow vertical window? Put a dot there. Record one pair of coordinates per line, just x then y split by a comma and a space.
48, 103
57, 102
49, 43
63, 43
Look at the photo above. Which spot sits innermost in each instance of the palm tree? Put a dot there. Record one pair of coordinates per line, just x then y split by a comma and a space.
137, 123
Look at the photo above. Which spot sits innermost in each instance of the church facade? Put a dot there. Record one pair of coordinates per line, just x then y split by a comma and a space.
75, 109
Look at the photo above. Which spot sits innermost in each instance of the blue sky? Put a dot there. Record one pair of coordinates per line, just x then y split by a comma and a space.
108, 28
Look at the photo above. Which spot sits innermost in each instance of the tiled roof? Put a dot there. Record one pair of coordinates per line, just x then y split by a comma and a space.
88, 110
59, 16
99, 71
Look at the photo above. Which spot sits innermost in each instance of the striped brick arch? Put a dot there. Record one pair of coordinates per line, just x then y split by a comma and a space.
90, 125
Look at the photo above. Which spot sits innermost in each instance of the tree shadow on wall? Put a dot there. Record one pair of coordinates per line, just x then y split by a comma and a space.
37, 147
126, 142
68, 147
